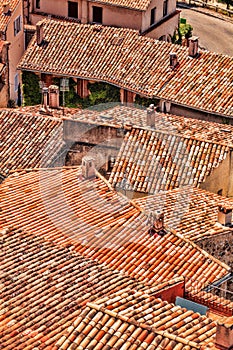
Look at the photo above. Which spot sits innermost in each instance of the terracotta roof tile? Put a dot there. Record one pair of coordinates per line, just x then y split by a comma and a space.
136, 320
190, 211
139, 64
43, 288
123, 116
5, 19
91, 218
27, 140
151, 160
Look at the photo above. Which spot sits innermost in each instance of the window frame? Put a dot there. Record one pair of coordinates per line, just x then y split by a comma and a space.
165, 8
72, 3
17, 25
153, 16
98, 8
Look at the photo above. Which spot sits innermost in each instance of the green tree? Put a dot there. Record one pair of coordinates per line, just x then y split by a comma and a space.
31, 89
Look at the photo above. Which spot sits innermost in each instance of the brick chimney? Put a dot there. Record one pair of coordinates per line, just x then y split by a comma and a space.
224, 334
150, 116
193, 46
39, 33
224, 215
53, 96
88, 167
173, 60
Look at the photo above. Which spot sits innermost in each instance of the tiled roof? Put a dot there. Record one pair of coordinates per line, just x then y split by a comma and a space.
43, 288
190, 211
5, 19
138, 321
134, 62
122, 115
103, 225
132, 4
150, 161
27, 140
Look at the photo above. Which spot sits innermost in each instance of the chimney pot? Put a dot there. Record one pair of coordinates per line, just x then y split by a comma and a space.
6, 8
224, 215
150, 116
53, 96
88, 167
193, 46
39, 33
173, 60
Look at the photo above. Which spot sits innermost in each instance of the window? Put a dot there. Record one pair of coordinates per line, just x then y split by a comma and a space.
17, 25
165, 3
152, 16
97, 14
72, 9
38, 4
16, 81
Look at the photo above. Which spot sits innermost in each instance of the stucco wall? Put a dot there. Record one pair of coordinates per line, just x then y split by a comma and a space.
16, 48
165, 29
221, 178
192, 113
55, 7
117, 16
159, 12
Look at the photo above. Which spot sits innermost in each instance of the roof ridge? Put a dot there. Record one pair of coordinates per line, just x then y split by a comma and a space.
144, 326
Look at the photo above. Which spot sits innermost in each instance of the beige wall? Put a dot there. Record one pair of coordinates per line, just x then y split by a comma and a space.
55, 7
118, 16
165, 29
16, 48
112, 15
221, 178
159, 12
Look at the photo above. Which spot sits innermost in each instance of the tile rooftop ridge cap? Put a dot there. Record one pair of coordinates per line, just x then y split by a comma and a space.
31, 170
194, 245
20, 111
143, 325
180, 134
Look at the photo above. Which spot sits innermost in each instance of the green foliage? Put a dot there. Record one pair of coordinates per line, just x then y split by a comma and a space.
184, 31
100, 93
143, 101
31, 89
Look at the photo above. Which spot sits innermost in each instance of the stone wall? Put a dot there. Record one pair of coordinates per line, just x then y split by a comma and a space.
221, 247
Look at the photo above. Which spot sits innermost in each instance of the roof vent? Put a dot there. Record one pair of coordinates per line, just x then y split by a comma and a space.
224, 215
6, 8
53, 96
173, 60
150, 116
193, 46
88, 167
39, 33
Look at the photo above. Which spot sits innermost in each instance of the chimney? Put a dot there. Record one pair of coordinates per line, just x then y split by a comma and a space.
53, 96
45, 97
150, 116
193, 46
224, 215
157, 220
6, 8
173, 60
88, 167
224, 334
39, 33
